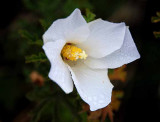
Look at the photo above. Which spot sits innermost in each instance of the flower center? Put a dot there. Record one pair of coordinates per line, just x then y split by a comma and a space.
71, 52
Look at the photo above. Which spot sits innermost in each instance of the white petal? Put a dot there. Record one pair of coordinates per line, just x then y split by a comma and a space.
126, 54
73, 28
59, 71
93, 86
105, 37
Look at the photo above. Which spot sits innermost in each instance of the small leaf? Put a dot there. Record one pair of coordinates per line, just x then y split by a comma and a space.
37, 42
44, 24
89, 16
156, 34
25, 34
110, 71
31, 39
41, 57
155, 19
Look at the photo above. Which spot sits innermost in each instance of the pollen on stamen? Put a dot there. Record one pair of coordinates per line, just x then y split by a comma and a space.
73, 53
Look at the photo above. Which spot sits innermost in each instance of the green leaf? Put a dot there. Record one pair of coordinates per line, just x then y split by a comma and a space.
44, 24
41, 57
37, 42
110, 71
25, 34
89, 16
31, 39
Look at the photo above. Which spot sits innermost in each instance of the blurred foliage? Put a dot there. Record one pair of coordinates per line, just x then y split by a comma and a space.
118, 74
156, 34
156, 19
41, 57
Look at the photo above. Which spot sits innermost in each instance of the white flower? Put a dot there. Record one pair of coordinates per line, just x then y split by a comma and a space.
83, 52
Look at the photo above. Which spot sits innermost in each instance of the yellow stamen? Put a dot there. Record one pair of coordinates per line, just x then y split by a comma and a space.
71, 52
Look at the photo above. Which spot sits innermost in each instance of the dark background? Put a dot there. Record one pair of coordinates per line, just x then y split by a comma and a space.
141, 102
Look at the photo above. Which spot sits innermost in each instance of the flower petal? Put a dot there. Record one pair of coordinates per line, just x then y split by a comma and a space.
93, 86
73, 28
126, 54
59, 71
105, 37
